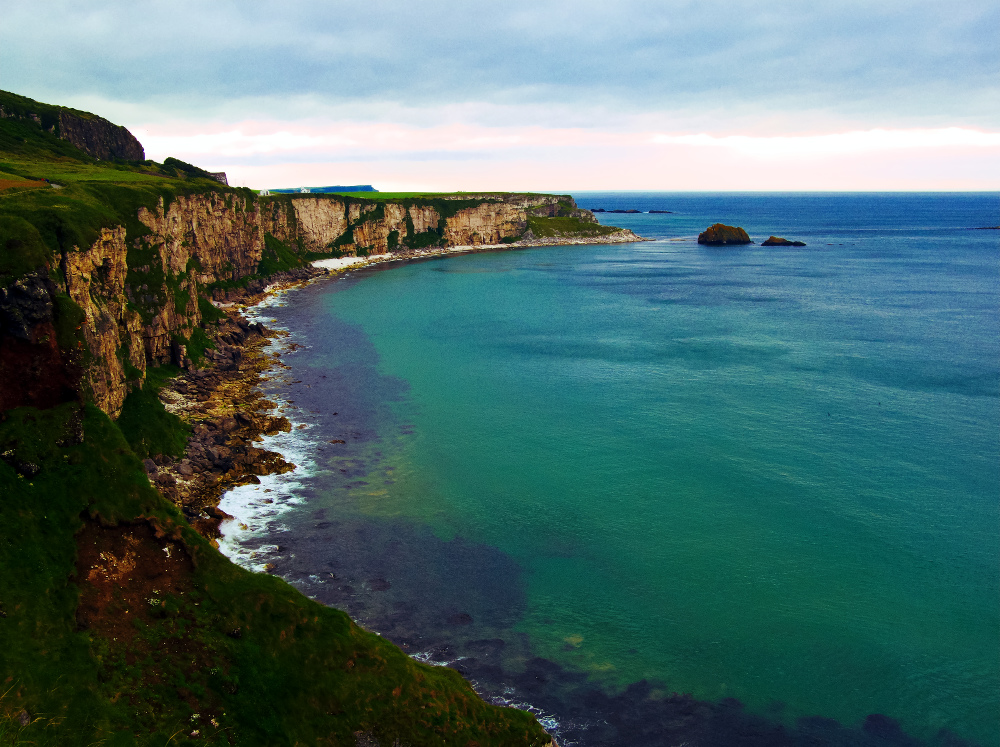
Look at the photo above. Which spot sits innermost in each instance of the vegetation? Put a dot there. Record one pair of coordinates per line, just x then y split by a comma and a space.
544, 227
146, 424
116, 645
121, 625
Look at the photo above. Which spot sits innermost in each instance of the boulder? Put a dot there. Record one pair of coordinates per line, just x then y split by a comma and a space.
778, 241
721, 235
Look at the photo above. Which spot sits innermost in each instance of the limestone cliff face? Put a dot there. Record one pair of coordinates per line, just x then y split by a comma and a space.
140, 295
95, 280
424, 218
488, 223
221, 232
321, 221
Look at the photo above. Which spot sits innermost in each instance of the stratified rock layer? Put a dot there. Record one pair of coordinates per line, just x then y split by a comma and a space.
719, 234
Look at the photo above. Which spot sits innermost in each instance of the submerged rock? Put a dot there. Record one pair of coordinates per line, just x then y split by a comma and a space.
778, 241
719, 234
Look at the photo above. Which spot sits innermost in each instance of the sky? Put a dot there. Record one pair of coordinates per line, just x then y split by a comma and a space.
541, 95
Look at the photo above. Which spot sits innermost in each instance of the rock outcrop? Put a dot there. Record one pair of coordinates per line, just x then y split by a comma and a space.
99, 138
35, 370
719, 234
94, 135
778, 241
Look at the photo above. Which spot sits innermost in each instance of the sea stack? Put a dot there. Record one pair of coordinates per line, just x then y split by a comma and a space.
719, 234
778, 241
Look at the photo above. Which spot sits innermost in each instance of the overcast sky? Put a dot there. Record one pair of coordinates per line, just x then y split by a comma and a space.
740, 94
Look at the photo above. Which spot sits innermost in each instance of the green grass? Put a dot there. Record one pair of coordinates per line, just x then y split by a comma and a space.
272, 666
384, 196
567, 227
147, 425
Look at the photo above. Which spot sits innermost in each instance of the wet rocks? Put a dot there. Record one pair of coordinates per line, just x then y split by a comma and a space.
227, 416
719, 234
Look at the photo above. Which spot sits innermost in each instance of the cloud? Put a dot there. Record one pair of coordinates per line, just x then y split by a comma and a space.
534, 94
460, 156
914, 62
843, 143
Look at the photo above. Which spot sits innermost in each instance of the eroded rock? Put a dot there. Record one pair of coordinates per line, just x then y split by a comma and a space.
778, 241
719, 234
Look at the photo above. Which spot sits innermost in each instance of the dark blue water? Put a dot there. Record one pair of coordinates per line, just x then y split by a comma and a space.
764, 475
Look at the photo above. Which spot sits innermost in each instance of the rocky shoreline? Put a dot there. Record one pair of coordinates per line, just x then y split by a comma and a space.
221, 400
226, 411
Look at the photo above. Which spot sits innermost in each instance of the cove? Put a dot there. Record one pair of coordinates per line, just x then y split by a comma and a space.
755, 474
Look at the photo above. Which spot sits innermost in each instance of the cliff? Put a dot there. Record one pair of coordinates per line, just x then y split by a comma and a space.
99, 137
122, 624
95, 136
143, 297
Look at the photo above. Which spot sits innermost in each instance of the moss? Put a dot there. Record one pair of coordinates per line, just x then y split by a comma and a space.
68, 319
181, 294
210, 313
21, 248
426, 239
277, 257
347, 237
147, 425
190, 171
197, 344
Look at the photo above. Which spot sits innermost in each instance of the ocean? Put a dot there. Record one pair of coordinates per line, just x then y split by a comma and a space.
618, 483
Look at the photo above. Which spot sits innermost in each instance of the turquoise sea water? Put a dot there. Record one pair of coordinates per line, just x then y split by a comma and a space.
769, 474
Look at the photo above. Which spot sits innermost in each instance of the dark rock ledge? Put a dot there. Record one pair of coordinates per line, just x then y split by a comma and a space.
778, 241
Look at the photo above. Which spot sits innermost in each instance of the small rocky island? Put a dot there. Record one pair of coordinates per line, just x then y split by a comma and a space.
719, 234
778, 241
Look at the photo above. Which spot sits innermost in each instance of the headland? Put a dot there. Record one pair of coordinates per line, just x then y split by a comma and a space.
127, 396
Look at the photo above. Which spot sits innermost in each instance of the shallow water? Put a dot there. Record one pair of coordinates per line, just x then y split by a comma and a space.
767, 474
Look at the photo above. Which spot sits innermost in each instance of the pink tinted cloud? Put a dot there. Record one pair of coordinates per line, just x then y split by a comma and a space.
469, 157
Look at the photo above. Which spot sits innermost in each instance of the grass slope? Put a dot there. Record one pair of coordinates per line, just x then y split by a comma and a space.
567, 227
123, 626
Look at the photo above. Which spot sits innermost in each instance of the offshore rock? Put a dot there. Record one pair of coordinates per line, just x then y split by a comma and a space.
778, 241
719, 234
